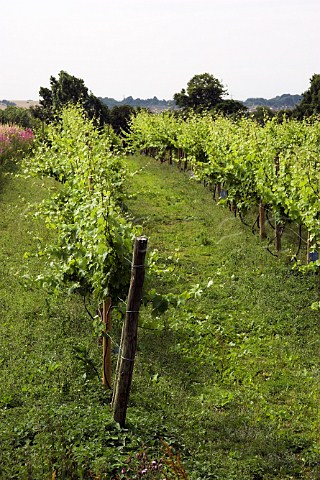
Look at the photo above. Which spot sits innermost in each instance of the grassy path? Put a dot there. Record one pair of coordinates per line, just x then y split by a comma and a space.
42, 386
236, 370
230, 378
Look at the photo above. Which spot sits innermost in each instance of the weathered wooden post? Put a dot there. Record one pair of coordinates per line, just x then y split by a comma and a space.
262, 221
179, 158
106, 344
129, 333
218, 190
278, 234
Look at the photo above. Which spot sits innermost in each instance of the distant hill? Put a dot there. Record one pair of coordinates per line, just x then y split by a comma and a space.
18, 103
280, 102
152, 104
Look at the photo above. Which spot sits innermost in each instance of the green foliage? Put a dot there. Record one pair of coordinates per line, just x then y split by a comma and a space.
167, 467
237, 359
94, 239
203, 92
262, 114
280, 102
230, 382
18, 116
230, 107
7, 103
310, 103
68, 89
15, 142
273, 163
149, 103
120, 117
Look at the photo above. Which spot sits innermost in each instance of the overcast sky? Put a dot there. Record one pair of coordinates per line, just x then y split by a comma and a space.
146, 48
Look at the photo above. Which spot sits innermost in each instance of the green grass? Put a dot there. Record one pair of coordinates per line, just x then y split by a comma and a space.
45, 391
237, 370
230, 379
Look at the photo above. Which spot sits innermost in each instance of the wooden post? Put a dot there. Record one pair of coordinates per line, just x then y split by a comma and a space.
130, 332
218, 189
106, 344
278, 233
262, 221
234, 208
185, 164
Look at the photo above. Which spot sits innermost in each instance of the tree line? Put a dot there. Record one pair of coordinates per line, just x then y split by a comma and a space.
204, 93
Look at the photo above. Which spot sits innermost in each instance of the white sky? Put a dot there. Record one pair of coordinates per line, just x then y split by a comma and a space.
146, 48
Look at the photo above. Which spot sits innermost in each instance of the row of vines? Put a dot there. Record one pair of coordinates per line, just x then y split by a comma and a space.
275, 166
96, 250
93, 239
91, 249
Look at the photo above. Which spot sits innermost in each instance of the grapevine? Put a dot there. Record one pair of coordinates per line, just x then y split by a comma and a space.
276, 165
93, 239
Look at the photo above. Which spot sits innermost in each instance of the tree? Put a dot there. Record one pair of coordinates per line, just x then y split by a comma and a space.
19, 116
262, 114
203, 92
310, 103
231, 107
69, 89
120, 116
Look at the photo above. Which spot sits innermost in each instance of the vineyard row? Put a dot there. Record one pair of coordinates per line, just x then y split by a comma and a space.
275, 166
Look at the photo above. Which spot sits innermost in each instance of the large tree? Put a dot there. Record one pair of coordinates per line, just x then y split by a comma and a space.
120, 116
230, 107
69, 89
203, 92
310, 103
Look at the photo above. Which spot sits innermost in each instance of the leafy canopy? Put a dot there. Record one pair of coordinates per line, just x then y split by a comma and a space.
68, 89
310, 103
204, 91
93, 239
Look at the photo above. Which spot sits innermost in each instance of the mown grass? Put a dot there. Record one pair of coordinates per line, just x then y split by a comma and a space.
48, 405
230, 379
237, 370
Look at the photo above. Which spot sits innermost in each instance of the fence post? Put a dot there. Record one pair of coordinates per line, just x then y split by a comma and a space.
129, 333
218, 190
106, 344
278, 234
262, 221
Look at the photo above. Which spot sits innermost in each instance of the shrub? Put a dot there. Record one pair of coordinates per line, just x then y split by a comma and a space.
14, 141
